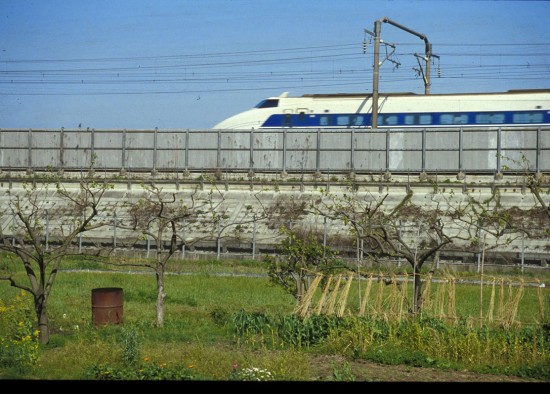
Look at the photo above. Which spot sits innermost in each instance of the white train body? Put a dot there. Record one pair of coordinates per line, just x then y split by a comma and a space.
515, 107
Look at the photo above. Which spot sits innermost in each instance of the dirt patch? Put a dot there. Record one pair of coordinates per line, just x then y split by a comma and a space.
371, 372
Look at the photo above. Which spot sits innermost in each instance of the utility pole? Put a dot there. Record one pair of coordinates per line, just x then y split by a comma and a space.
376, 75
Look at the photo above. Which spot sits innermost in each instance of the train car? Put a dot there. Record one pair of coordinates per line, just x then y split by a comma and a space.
347, 110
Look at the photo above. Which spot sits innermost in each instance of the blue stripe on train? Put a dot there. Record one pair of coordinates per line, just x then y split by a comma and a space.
409, 119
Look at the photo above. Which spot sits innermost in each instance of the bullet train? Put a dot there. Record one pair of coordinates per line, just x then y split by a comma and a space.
347, 110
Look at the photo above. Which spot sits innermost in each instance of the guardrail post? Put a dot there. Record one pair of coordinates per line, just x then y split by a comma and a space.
183, 224
114, 230
254, 238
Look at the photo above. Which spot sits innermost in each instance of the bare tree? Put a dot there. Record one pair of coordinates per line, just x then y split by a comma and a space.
403, 231
165, 216
160, 216
25, 232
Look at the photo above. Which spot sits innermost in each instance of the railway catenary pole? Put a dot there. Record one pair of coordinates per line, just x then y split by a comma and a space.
375, 77
376, 72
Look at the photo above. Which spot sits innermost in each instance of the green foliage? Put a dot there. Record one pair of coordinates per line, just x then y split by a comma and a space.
427, 342
342, 374
204, 340
143, 371
130, 346
245, 323
394, 356
220, 316
18, 337
299, 257
309, 331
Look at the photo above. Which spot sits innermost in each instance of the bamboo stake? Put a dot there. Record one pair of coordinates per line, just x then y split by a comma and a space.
344, 297
365, 299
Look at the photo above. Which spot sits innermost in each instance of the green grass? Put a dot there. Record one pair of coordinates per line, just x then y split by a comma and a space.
198, 339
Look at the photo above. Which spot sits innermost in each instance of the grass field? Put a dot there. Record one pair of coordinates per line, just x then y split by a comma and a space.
202, 339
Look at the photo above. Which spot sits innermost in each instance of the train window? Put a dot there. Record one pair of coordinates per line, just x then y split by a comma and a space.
417, 119
387, 120
287, 120
528, 117
453, 119
357, 120
324, 120
342, 120
490, 118
269, 103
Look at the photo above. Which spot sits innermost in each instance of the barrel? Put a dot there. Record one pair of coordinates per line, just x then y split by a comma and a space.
107, 305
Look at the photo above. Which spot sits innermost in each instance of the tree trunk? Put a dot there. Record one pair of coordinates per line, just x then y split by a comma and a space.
417, 291
161, 296
42, 317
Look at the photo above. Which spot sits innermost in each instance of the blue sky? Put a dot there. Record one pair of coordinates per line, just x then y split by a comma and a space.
188, 64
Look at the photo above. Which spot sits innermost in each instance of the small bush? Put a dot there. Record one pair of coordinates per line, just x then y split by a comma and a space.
18, 338
130, 346
144, 371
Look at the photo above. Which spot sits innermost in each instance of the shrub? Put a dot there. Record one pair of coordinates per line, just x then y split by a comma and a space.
18, 338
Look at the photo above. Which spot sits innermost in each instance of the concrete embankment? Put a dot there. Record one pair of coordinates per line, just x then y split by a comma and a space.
241, 214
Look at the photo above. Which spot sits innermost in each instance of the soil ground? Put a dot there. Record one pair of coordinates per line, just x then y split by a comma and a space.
372, 372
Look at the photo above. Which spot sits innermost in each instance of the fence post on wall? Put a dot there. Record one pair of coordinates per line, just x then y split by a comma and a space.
61, 151
218, 240
537, 153
254, 238
183, 224
148, 240
114, 230
218, 153
284, 151
187, 150
123, 158
522, 247
92, 150
324, 234
251, 160
155, 151
460, 149
80, 238
498, 151
13, 222
352, 150
318, 153
423, 150
29, 153
387, 149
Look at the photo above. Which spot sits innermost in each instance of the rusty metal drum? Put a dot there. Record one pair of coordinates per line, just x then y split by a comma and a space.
107, 305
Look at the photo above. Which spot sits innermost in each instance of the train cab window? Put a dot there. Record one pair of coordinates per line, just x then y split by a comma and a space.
324, 120
453, 119
387, 120
269, 103
527, 117
487, 118
342, 120
418, 119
